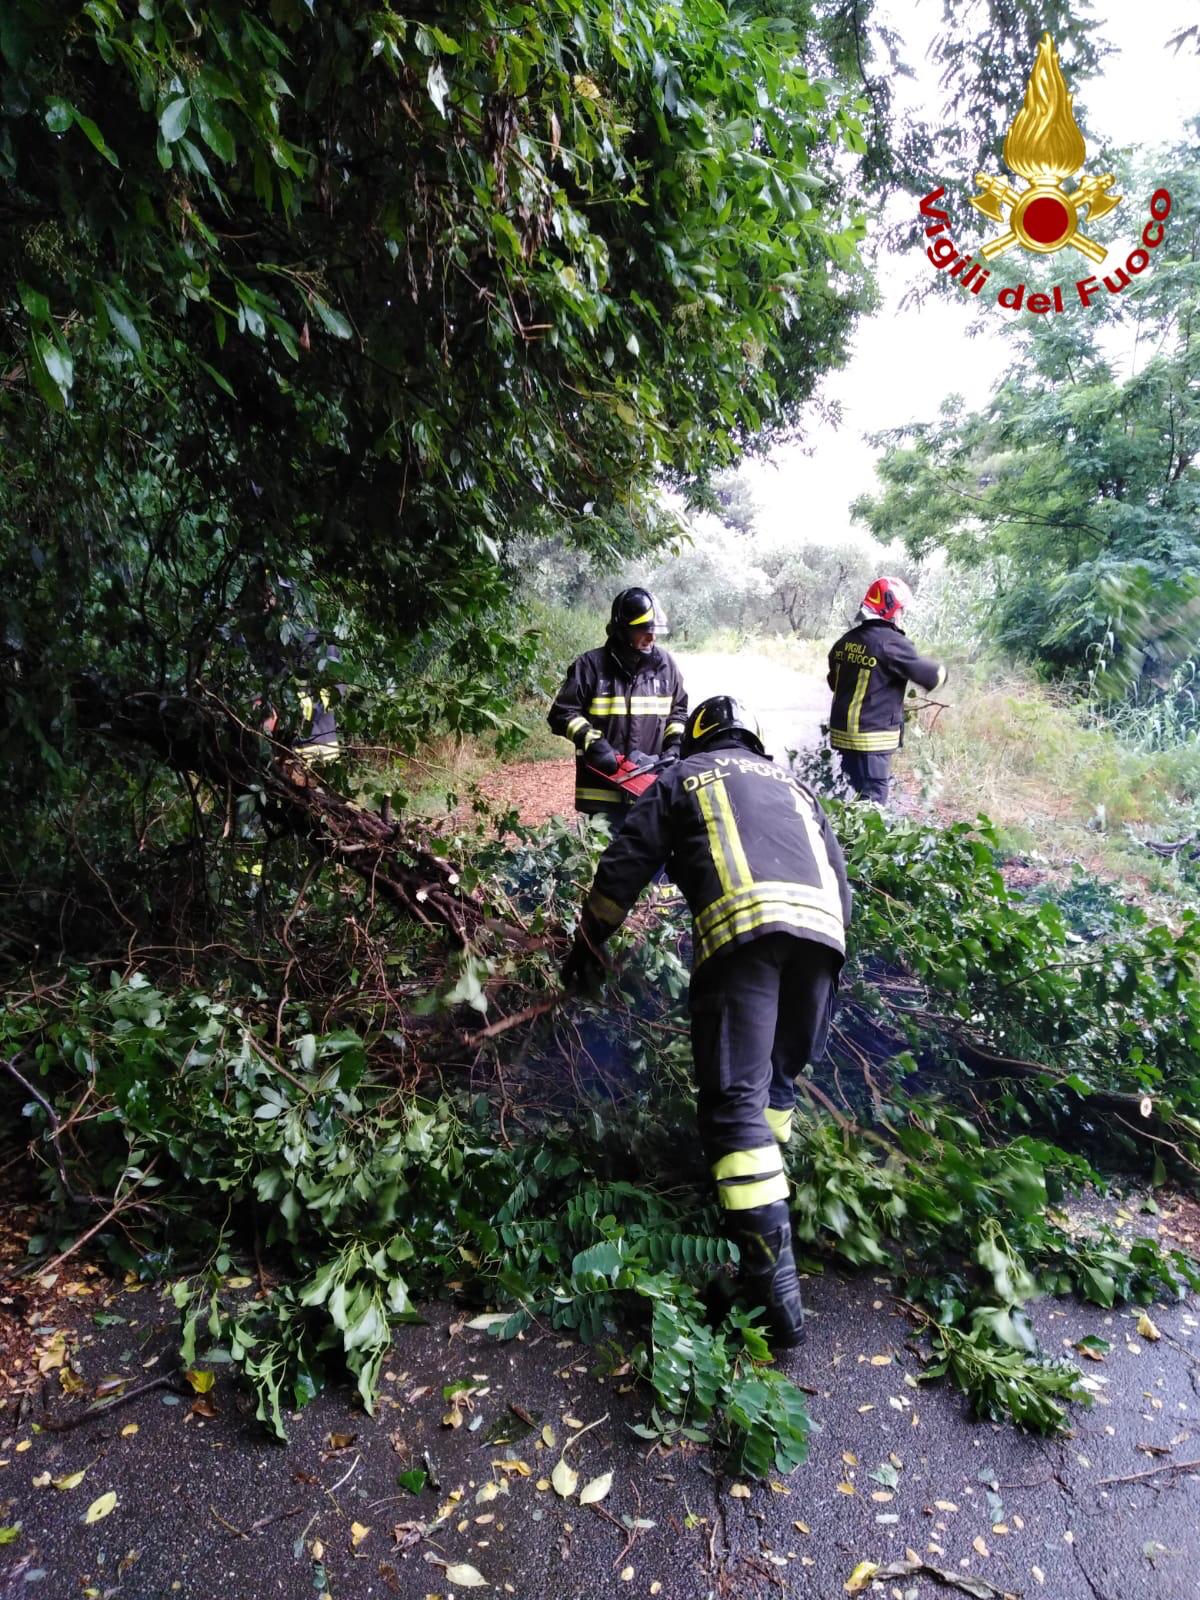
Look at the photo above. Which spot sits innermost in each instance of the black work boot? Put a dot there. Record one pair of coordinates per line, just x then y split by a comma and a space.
767, 1276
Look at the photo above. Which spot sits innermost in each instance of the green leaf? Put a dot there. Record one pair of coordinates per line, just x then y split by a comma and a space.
217, 137
124, 326
174, 118
60, 114
333, 321
35, 302
95, 137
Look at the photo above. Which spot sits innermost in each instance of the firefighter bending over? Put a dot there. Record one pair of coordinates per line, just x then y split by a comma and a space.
624, 699
765, 880
869, 669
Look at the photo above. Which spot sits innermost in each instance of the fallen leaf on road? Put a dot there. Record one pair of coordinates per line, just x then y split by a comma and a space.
739, 1491
572, 1422
845, 1488
467, 1577
201, 1382
860, 1577
978, 1588
596, 1490
1147, 1329
511, 1464
128, 1431
100, 1508
626, 1574
881, 1361
979, 1547
564, 1479
71, 1481
803, 1527
357, 1534
548, 1437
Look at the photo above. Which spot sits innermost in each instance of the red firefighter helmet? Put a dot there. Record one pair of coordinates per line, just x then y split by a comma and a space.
887, 598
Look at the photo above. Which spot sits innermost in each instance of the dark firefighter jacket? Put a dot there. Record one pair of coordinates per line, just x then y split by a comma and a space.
635, 709
869, 668
749, 847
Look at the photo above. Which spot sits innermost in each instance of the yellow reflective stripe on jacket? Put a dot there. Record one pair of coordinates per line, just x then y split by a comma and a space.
822, 897
724, 841
590, 737
737, 854
575, 724
606, 911
743, 1196
857, 698
641, 705
608, 797
805, 919
673, 728
885, 739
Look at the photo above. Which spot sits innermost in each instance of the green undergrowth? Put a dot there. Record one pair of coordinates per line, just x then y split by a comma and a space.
215, 1121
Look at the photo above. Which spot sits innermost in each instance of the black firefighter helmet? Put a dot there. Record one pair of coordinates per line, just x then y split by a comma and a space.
721, 714
633, 611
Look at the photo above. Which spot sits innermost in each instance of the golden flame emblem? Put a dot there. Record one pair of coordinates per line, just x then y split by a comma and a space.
1044, 146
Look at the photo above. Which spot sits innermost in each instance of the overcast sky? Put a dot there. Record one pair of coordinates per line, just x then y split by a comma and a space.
906, 361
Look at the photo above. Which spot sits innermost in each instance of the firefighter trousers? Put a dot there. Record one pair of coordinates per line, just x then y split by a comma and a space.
868, 772
759, 1015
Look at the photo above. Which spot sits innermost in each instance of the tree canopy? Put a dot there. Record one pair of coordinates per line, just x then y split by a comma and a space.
363, 296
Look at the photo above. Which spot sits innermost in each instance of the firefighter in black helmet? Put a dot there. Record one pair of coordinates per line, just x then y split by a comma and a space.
624, 699
765, 880
869, 669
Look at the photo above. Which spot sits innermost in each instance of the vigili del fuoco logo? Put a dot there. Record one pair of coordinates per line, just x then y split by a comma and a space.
1045, 148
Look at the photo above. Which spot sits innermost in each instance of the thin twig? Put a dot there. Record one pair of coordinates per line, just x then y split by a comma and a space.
1154, 1472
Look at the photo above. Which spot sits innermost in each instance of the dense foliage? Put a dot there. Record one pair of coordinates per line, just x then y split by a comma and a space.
356, 299
342, 1130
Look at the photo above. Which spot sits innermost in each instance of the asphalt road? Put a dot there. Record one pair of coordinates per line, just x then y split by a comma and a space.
207, 1507
791, 705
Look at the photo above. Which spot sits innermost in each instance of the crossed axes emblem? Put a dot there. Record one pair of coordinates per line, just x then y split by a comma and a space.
1045, 217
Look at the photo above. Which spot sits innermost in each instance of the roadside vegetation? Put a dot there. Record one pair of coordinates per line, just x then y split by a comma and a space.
357, 355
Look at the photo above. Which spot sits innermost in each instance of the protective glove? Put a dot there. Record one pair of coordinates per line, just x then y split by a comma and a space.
583, 970
670, 755
642, 758
603, 757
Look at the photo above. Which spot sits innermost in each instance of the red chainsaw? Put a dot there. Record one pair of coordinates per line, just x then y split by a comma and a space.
635, 774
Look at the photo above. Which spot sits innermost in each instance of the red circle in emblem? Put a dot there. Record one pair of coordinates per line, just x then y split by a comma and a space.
1046, 220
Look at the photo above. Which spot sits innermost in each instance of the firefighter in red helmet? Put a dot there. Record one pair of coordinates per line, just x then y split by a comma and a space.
625, 699
869, 669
